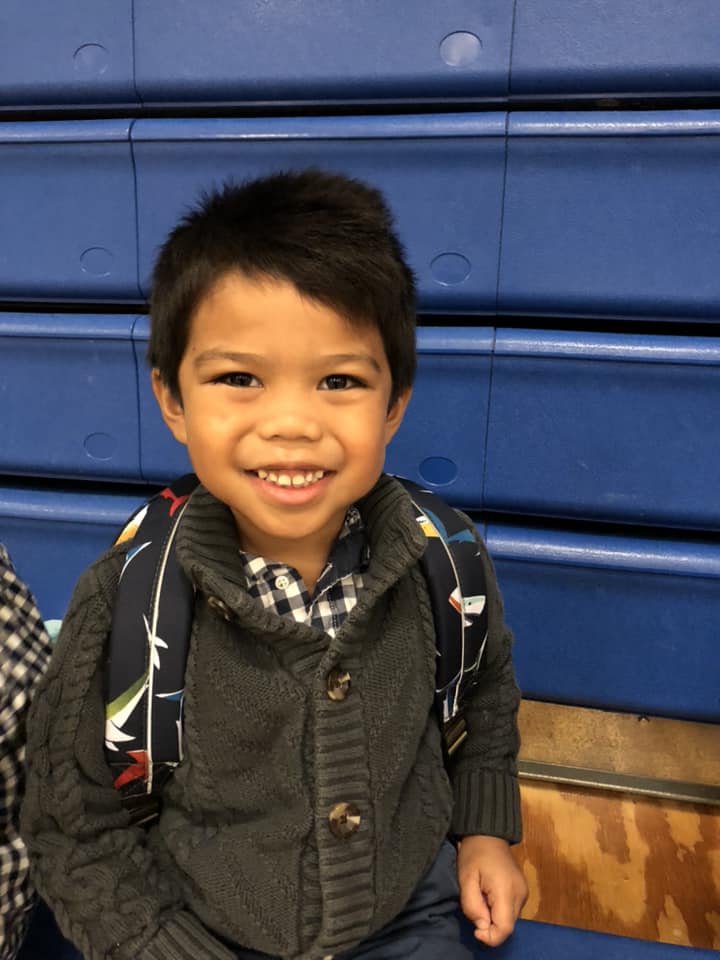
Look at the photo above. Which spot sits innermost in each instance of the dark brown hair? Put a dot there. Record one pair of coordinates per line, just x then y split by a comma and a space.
332, 237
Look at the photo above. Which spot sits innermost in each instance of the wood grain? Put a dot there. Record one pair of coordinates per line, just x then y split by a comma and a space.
622, 864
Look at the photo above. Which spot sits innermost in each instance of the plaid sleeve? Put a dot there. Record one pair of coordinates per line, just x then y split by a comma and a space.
24, 654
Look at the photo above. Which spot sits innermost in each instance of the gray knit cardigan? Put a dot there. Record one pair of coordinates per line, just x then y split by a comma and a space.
243, 846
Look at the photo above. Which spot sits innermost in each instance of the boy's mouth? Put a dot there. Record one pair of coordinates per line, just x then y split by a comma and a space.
290, 478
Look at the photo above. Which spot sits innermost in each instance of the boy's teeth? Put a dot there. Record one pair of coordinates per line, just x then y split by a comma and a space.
296, 480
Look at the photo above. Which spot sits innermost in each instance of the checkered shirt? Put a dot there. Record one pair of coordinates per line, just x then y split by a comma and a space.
281, 590
24, 654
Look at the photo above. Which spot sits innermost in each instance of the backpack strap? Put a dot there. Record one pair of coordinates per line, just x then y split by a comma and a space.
145, 670
458, 593
152, 621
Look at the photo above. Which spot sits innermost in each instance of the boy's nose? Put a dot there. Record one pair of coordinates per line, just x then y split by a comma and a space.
290, 424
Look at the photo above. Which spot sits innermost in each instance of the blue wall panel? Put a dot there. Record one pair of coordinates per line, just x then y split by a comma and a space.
612, 215
68, 54
67, 211
583, 47
612, 622
443, 176
52, 535
441, 442
226, 51
605, 426
68, 387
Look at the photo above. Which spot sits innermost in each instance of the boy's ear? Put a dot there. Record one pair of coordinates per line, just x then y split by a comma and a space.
396, 413
171, 407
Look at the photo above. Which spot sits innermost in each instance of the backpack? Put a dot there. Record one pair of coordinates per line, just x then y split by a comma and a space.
151, 624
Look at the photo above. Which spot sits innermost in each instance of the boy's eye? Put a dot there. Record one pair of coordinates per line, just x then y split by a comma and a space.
238, 380
339, 381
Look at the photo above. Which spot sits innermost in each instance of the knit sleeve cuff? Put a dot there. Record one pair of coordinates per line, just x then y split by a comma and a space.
185, 938
487, 803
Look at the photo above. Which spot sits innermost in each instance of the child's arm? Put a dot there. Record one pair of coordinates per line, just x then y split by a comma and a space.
486, 814
94, 870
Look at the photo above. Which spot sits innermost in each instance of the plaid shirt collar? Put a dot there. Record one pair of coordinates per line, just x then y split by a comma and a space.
281, 590
349, 554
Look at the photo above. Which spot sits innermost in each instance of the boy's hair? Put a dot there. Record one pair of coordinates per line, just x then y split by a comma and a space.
330, 236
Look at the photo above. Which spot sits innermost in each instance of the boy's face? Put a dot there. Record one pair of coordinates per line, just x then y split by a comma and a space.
284, 410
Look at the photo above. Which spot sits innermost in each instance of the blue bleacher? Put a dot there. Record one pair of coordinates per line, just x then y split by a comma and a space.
612, 214
612, 621
52, 534
73, 376
617, 48
67, 216
70, 56
601, 426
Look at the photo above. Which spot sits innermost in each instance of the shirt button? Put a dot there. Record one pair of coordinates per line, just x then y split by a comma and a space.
220, 607
282, 582
338, 683
344, 820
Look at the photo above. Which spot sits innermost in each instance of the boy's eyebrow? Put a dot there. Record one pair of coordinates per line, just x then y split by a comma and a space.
209, 356
352, 358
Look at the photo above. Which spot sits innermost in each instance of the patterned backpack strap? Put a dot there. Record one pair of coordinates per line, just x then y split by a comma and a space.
456, 583
145, 670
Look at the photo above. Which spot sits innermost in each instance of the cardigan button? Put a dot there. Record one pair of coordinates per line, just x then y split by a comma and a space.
220, 607
338, 683
344, 820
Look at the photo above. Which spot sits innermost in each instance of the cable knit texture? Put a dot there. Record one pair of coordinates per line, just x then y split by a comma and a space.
243, 847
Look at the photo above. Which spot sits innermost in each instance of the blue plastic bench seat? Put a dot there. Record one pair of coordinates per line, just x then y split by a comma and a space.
69, 382
68, 55
53, 534
320, 50
612, 215
67, 217
605, 426
582, 48
614, 622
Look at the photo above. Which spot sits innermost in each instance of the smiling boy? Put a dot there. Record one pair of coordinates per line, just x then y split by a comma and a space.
309, 815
